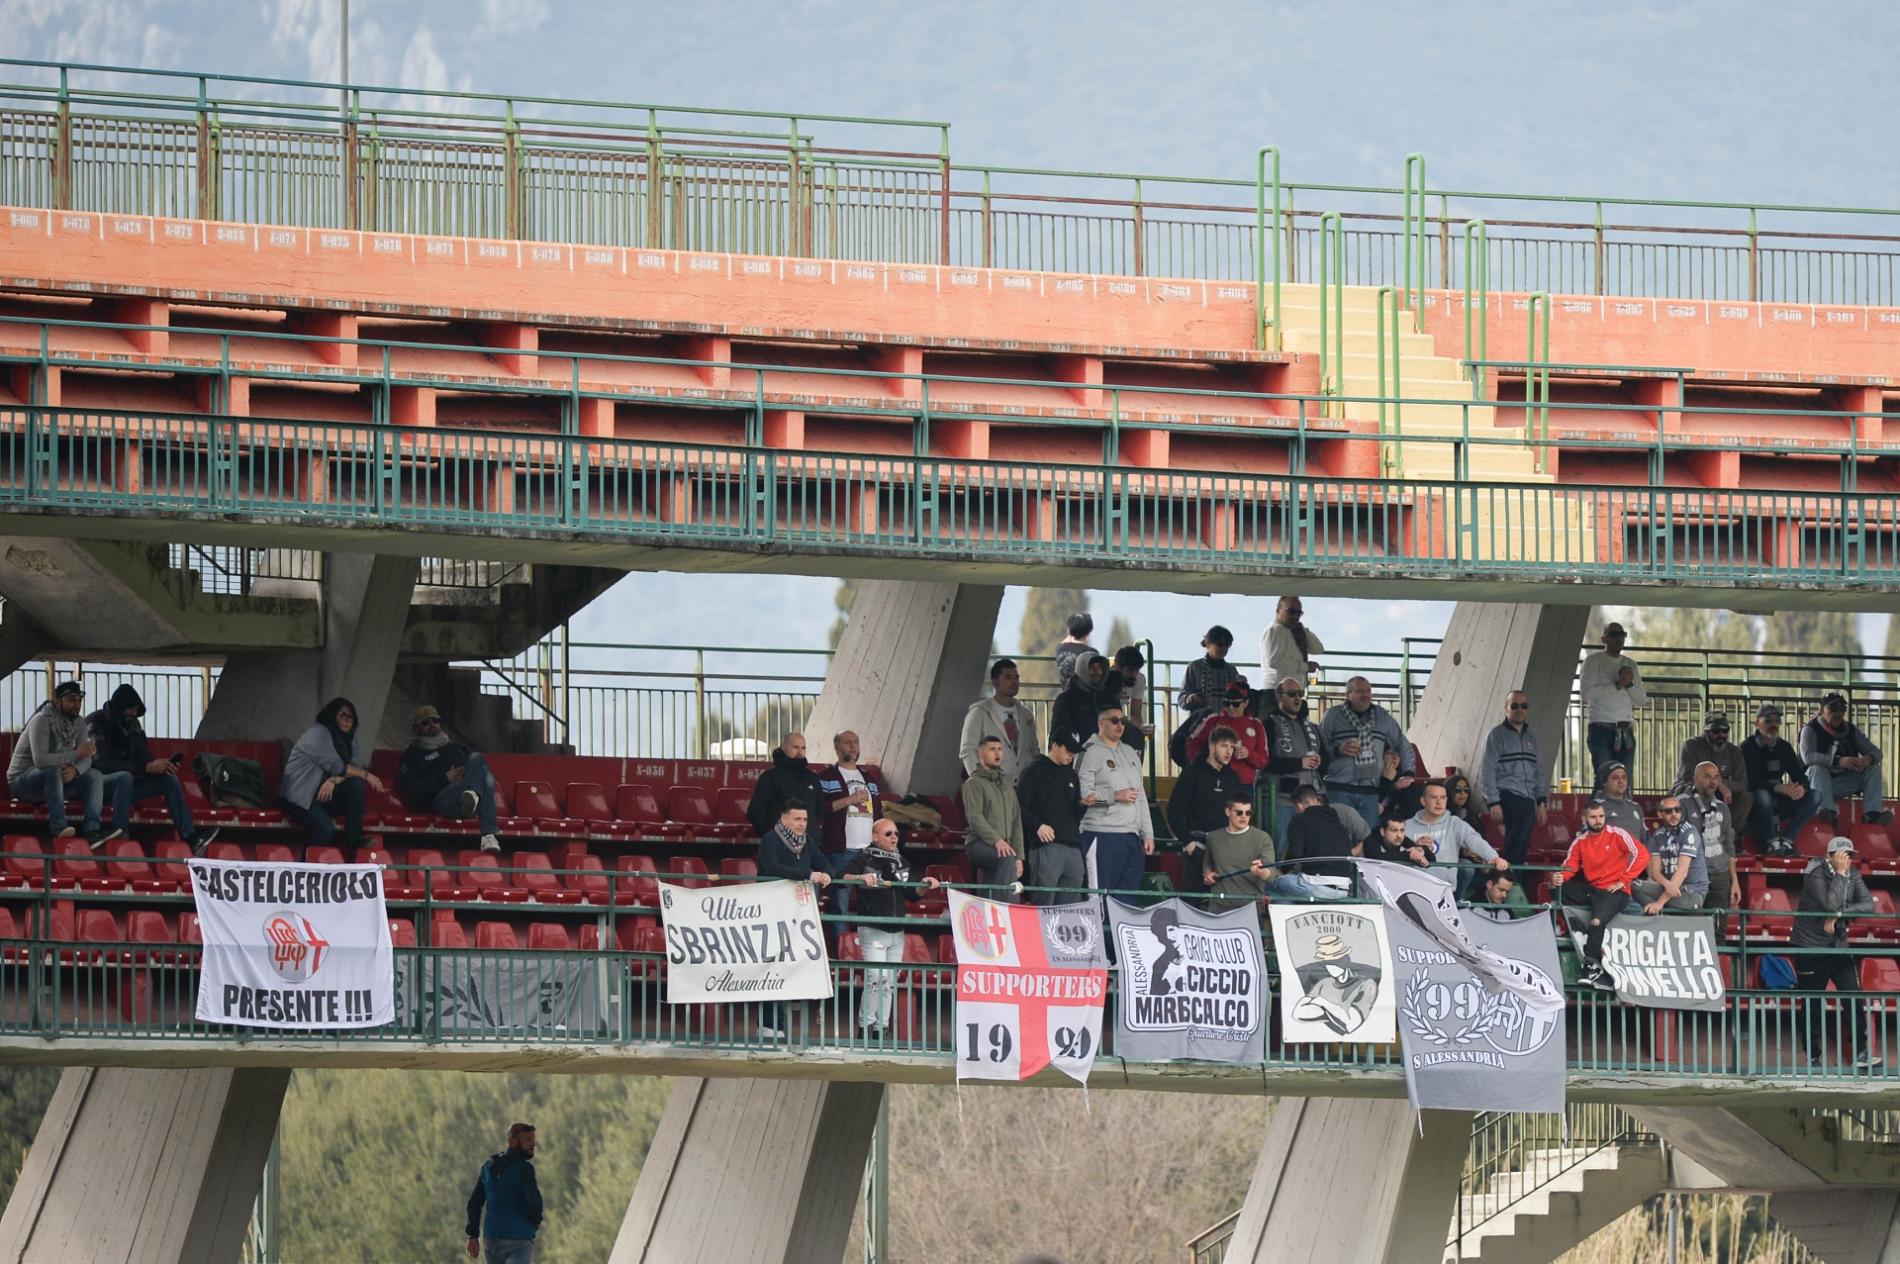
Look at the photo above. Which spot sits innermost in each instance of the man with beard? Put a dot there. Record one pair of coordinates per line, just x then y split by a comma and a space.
789, 780
1714, 747
1596, 875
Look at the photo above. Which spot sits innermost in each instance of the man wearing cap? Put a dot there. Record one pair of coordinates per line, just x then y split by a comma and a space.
1842, 762
1831, 891
1339, 991
1288, 647
1783, 802
1355, 736
1618, 808
1714, 747
1612, 689
1513, 776
444, 778
1250, 735
52, 762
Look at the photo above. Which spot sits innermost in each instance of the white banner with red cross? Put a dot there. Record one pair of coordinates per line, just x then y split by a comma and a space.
302, 947
1031, 982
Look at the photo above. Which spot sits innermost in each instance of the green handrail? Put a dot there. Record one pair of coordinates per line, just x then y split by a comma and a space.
1332, 283
1392, 436
1260, 251
1537, 378
1478, 269
1414, 274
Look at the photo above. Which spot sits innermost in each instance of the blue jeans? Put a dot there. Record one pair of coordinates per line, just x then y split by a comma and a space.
1829, 785
126, 789
1282, 816
37, 785
1116, 860
318, 820
1767, 818
1295, 886
475, 776
1364, 802
1602, 739
508, 1250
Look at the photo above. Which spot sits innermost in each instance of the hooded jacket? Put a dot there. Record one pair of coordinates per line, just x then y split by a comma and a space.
315, 757
506, 1189
122, 744
986, 718
1836, 894
788, 780
1050, 794
1080, 702
989, 803
49, 740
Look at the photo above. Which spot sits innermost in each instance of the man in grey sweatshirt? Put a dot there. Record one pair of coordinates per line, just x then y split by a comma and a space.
52, 762
1355, 737
1117, 830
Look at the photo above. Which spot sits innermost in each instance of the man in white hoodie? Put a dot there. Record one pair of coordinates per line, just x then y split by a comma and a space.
1451, 835
1117, 829
1001, 717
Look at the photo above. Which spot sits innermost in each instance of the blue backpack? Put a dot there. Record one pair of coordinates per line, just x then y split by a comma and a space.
1777, 972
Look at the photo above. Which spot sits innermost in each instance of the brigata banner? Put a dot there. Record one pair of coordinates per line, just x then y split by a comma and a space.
1665, 962
1031, 982
1335, 974
757, 941
1193, 984
300, 947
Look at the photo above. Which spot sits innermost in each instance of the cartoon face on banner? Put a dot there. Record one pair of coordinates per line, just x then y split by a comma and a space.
1335, 974
1192, 983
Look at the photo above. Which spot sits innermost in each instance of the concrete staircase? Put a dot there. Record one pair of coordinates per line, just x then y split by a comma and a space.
1557, 1199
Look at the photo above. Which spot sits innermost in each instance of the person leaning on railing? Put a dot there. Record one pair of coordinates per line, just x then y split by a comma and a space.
1831, 890
1050, 795
887, 896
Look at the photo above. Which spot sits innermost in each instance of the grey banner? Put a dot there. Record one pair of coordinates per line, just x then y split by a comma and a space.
1665, 962
478, 994
1192, 984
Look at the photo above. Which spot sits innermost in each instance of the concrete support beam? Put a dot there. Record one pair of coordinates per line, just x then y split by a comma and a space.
751, 1172
1775, 1148
1843, 1226
911, 661
1352, 1182
1488, 651
143, 1167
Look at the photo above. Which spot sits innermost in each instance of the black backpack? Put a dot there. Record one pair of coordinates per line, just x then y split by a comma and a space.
230, 781
1178, 743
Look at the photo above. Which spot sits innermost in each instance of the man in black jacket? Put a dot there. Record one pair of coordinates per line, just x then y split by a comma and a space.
1051, 800
1077, 705
442, 777
1318, 833
132, 775
1776, 779
789, 780
508, 1199
1198, 802
1293, 749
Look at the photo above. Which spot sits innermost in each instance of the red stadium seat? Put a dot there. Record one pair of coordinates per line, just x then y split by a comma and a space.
590, 884
645, 936
1879, 974
385, 810
402, 933
587, 801
127, 862
98, 926
730, 805
448, 933
274, 854
624, 934
482, 873
148, 926
428, 869
77, 867
171, 855
690, 806
22, 860
323, 855
188, 929
1812, 841
1884, 925
638, 805
688, 871
398, 882
535, 800
225, 851
634, 881
495, 935
1874, 846
1770, 916
738, 868
531, 875
550, 937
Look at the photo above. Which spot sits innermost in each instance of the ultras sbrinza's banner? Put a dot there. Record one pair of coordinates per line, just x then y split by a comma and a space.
755, 941
1030, 987
293, 946
1193, 984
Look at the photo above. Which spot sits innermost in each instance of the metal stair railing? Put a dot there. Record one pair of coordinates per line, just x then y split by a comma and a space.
1508, 1143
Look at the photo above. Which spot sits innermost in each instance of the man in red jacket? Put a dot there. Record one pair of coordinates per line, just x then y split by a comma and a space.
1596, 874
1250, 751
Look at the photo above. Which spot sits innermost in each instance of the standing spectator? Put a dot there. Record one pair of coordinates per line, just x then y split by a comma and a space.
852, 800
1832, 891
52, 762
1678, 878
995, 844
1240, 864
1461, 804
1287, 647
1320, 841
1515, 778
1503, 899
790, 779
1198, 802
1205, 681
1612, 689
1294, 749
1073, 647
1000, 715
1133, 692
1705, 809
1842, 762
1618, 808
1596, 874
508, 1200
442, 777
1355, 736
1250, 735
324, 777
787, 851
132, 775
1714, 747
1776, 775
1452, 837
1117, 828
1081, 701
1050, 795
887, 897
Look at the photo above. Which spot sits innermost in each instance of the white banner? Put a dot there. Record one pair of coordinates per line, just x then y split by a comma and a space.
1335, 974
302, 947
757, 941
1031, 983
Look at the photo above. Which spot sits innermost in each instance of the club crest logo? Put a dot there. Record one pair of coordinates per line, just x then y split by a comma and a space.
985, 929
296, 949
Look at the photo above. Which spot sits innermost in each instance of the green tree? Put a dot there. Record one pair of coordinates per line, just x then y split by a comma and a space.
1832, 632
24, 1092
1688, 630
846, 594
1119, 634
1046, 614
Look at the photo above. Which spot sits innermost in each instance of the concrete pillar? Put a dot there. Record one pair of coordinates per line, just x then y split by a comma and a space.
143, 1167
1842, 1226
270, 694
1352, 1182
21, 639
912, 659
1489, 650
751, 1172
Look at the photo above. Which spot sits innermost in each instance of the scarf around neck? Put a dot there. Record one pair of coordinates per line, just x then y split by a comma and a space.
794, 843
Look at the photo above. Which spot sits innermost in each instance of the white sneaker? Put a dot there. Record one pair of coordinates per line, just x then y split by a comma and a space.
770, 1033
470, 801
1865, 1062
490, 843
68, 832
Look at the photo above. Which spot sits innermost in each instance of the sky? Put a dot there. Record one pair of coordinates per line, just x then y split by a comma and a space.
1711, 101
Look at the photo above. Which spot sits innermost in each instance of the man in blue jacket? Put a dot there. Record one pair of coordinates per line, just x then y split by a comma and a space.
506, 1191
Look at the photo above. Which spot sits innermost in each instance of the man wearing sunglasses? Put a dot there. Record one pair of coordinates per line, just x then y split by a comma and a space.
1288, 647
1293, 748
1514, 777
1117, 828
1678, 877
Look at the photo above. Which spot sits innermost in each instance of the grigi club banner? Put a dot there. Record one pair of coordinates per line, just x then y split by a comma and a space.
754, 941
1193, 984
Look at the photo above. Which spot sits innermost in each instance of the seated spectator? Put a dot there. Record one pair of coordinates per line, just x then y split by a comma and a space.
1050, 796
1451, 837
787, 851
1832, 891
1713, 747
1074, 647
132, 775
1460, 801
1198, 803
442, 777
1596, 875
1618, 808
790, 779
887, 896
1251, 752
995, 843
1133, 692
324, 776
1001, 715
1205, 680
1678, 877
1117, 828
1842, 762
1777, 780
52, 762
1503, 899
1082, 699
1392, 842
1240, 864
1321, 842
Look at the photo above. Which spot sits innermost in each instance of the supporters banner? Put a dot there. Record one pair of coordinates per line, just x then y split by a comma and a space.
1665, 962
298, 947
1031, 982
1335, 974
537, 994
754, 941
1193, 984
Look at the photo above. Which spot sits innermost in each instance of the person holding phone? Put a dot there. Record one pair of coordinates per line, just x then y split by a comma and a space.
132, 773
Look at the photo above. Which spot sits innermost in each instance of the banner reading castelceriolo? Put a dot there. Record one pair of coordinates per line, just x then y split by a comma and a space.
754, 941
293, 946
